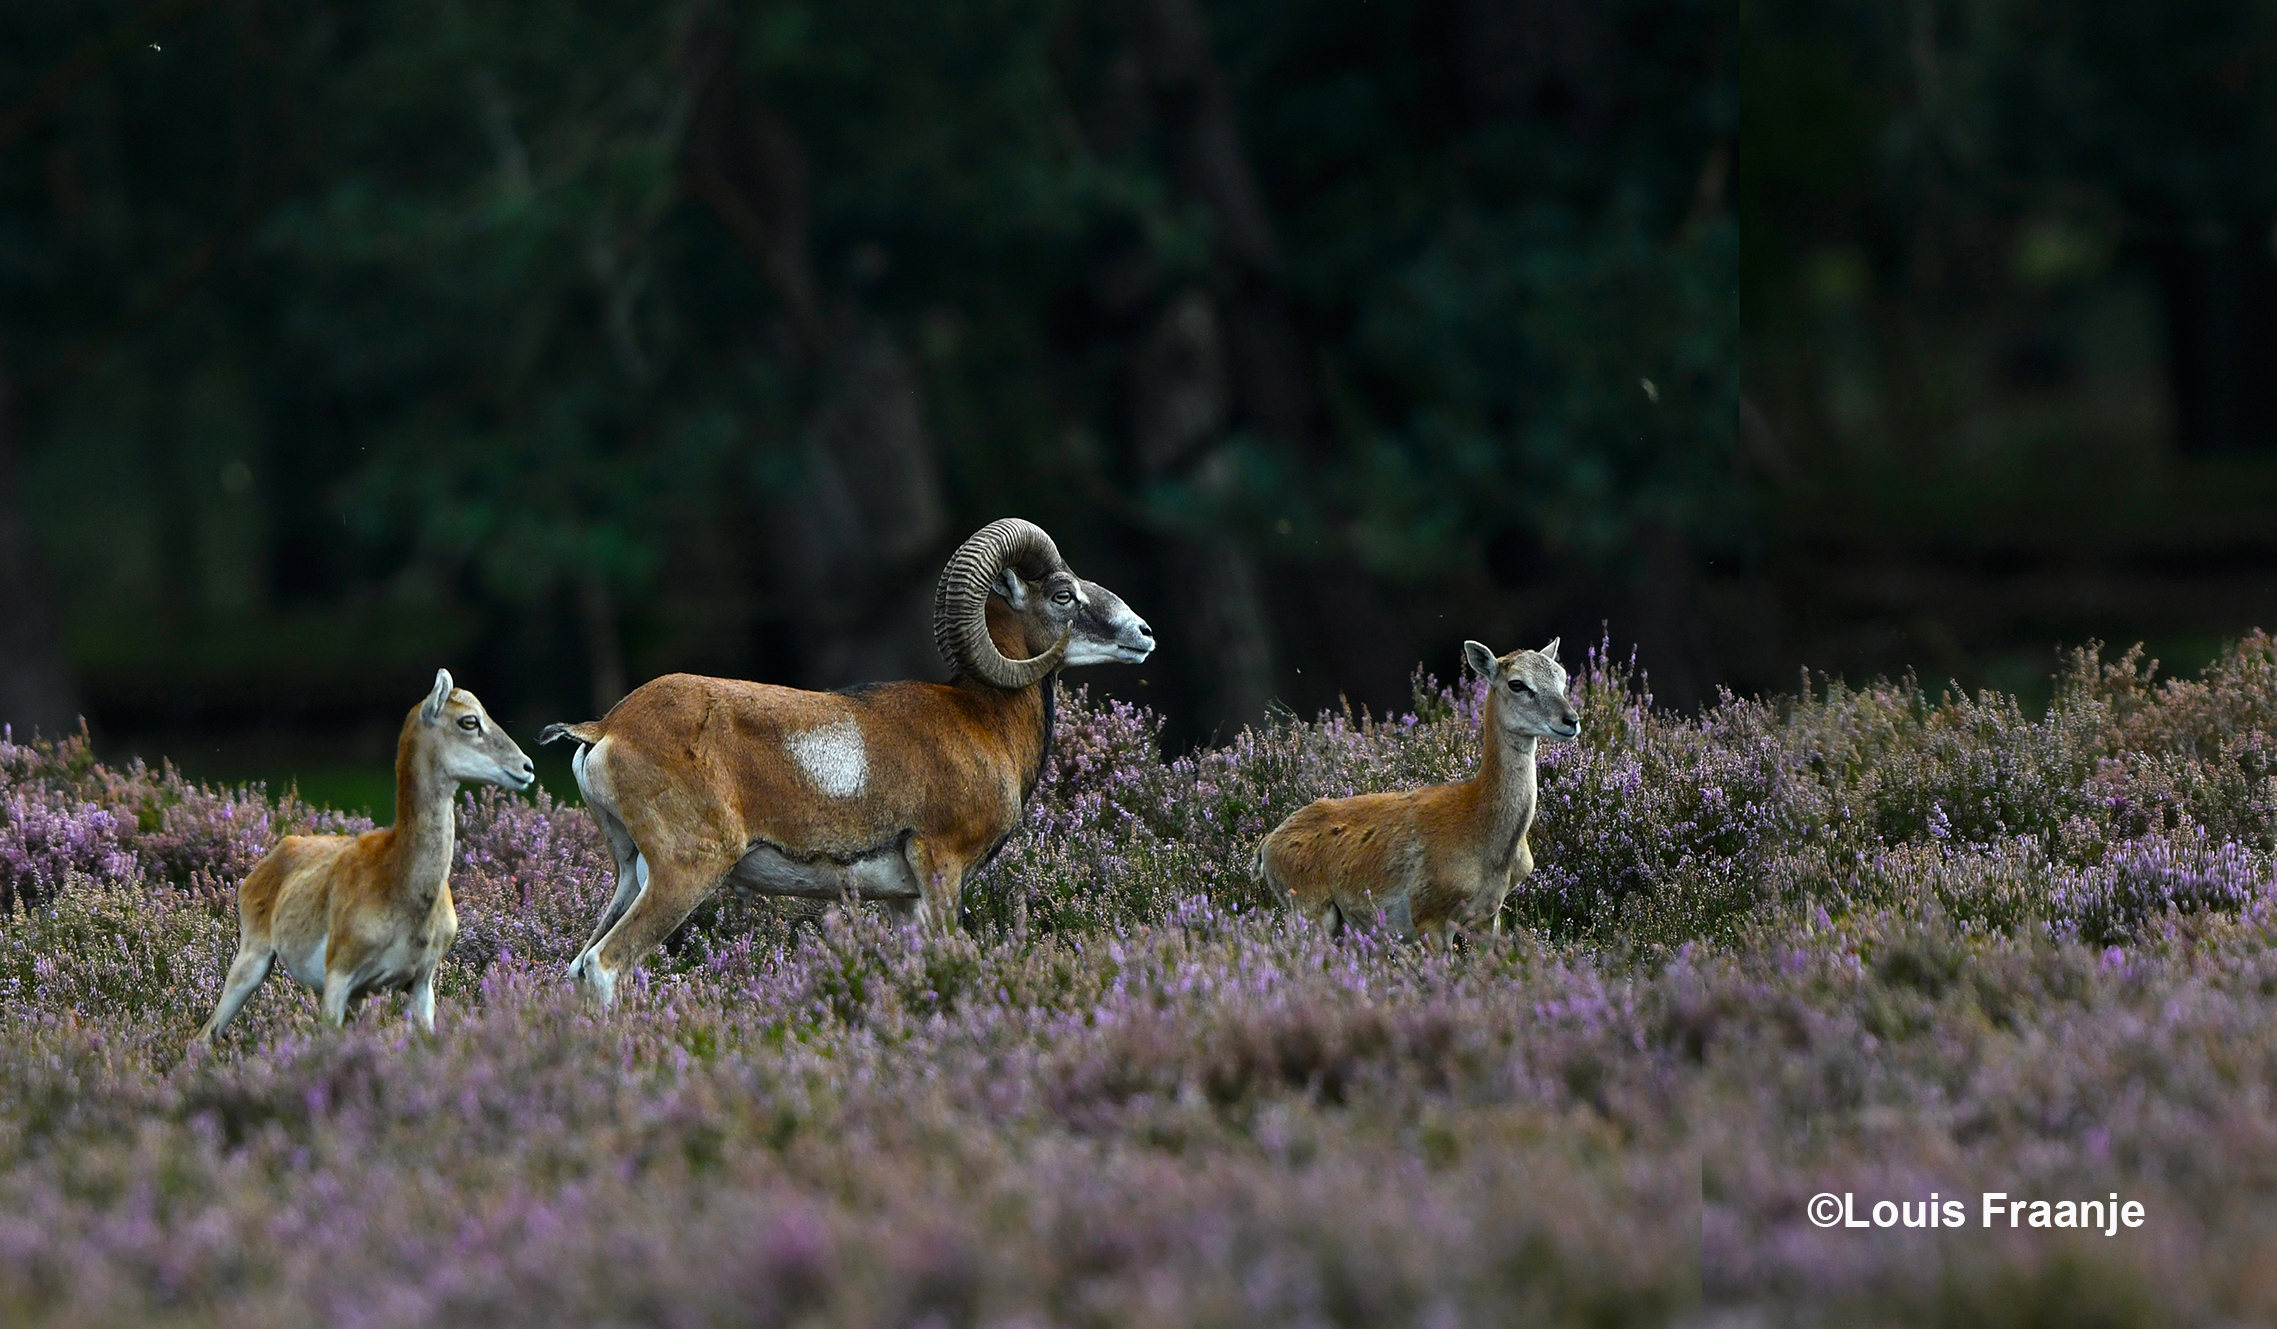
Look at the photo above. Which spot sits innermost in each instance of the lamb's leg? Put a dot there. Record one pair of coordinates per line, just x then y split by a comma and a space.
339, 984
245, 974
423, 1002
1398, 917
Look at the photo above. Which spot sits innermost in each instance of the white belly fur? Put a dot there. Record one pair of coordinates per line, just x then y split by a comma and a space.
1392, 912
307, 968
882, 874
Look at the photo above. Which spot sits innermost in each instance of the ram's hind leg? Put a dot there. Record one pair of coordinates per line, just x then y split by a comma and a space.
632, 869
632, 879
676, 885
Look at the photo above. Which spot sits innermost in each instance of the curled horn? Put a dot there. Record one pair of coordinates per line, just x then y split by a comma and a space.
960, 605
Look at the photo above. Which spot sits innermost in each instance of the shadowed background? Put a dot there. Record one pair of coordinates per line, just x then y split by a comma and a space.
570, 344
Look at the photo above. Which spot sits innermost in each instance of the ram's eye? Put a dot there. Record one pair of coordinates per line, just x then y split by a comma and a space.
1519, 685
469, 723
1064, 597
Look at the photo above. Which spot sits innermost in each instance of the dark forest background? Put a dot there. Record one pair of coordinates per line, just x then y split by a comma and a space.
569, 344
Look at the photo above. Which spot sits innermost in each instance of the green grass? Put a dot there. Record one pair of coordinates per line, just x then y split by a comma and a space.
367, 788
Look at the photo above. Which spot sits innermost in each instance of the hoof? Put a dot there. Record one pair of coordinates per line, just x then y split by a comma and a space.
598, 984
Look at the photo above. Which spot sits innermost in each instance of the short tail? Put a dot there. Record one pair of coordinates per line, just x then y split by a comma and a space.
1262, 871
586, 732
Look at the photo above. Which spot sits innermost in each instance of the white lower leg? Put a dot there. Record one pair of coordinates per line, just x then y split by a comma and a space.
336, 996
245, 974
423, 1003
632, 881
597, 981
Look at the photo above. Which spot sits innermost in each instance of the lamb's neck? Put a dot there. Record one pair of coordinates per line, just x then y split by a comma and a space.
1506, 786
426, 829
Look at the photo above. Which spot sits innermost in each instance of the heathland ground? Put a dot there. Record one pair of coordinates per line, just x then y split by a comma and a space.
1856, 940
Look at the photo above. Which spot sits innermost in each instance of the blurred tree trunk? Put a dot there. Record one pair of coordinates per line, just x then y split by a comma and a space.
2220, 290
1193, 106
597, 614
857, 541
1179, 402
1213, 357
36, 693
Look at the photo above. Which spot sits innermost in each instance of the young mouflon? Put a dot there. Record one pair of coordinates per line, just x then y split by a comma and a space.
1445, 856
355, 914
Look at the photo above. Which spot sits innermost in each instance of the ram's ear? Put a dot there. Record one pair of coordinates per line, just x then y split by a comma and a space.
1009, 585
1479, 658
1550, 652
437, 699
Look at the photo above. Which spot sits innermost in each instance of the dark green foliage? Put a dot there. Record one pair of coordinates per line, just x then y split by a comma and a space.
406, 328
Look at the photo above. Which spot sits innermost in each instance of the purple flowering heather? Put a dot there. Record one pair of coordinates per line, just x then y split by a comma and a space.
46, 838
1861, 940
2141, 880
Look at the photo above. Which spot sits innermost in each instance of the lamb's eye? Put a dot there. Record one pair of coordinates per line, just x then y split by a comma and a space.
470, 724
1519, 685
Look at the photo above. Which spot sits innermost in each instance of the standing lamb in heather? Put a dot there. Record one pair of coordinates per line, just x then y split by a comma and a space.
355, 914
1441, 856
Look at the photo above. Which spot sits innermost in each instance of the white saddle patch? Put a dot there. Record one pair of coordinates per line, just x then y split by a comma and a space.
834, 758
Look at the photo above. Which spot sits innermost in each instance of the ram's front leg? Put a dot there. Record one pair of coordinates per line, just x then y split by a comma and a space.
940, 874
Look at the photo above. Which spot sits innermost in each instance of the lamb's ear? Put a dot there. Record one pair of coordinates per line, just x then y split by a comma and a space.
1479, 658
1550, 652
433, 710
